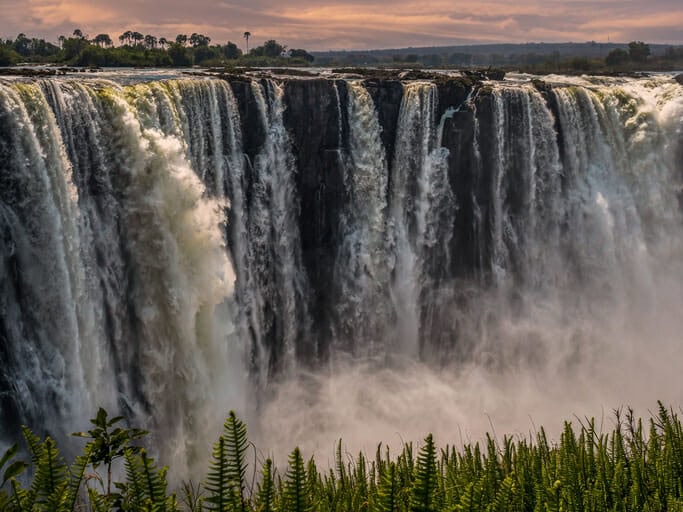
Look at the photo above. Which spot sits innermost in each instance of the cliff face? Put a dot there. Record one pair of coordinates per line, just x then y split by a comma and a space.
236, 229
316, 118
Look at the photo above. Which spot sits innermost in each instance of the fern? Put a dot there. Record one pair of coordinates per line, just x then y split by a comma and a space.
265, 496
192, 497
388, 489
218, 481
99, 502
50, 483
146, 484
504, 497
425, 485
76, 474
296, 497
14, 469
235, 432
226, 479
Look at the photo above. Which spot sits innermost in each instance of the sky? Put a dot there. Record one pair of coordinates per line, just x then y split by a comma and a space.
354, 24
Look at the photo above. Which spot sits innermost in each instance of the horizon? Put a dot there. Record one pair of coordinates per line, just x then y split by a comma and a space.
356, 25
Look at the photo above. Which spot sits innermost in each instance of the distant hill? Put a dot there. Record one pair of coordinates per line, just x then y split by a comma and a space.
480, 54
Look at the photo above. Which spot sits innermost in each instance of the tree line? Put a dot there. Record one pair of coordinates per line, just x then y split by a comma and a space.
634, 56
138, 49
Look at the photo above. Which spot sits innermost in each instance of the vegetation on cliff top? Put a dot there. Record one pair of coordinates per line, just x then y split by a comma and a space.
636, 467
138, 50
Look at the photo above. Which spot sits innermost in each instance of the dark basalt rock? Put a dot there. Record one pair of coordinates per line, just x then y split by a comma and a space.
312, 117
485, 74
29, 72
387, 95
541, 86
453, 92
679, 78
253, 135
469, 173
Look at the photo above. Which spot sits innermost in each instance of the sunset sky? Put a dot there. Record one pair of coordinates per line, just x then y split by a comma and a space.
354, 24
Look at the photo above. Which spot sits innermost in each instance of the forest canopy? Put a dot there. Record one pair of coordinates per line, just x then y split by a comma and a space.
145, 50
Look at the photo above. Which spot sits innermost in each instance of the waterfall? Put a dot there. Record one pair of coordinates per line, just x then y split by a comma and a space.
362, 269
423, 208
505, 248
128, 256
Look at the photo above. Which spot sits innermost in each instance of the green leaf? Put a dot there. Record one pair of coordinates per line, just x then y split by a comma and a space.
9, 454
14, 470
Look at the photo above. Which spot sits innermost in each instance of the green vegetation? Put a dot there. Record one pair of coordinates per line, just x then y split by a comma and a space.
570, 58
632, 468
138, 50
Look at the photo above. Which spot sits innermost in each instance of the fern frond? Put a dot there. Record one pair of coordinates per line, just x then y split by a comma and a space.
146, 484
265, 496
35, 446
425, 484
296, 497
226, 481
235, 433
217, 482
76, 474
388, 489
51, 480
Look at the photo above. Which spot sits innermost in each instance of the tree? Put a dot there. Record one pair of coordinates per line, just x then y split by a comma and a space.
78, 33
302, 54
197, 40
102, 40
61, 40
8, 56
163, 42
231, 51
271, 48
72, 47
617, 57
22, 45
180, 56
137, 37
638, 51
247, 35
181, 39
150, 42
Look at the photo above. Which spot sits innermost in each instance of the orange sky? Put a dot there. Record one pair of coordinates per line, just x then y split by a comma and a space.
356, 24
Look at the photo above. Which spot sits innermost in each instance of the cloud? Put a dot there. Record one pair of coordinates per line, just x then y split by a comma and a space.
355, 24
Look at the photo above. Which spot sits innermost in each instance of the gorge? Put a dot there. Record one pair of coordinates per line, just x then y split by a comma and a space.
337, 256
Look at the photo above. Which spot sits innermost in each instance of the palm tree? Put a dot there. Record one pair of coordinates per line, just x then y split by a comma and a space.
61, 41
247, 35
102, 40
163, 42
150, 41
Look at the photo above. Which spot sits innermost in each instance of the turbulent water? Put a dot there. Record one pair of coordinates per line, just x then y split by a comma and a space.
512, 258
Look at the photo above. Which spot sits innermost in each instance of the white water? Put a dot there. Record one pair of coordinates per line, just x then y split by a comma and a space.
119, 288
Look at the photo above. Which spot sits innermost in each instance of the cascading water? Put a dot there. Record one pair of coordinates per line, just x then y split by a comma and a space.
362, 269
127, 258
422, 205
155, 258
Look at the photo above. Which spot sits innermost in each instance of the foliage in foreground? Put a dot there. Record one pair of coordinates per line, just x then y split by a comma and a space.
633, 468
